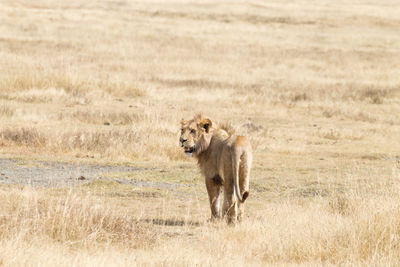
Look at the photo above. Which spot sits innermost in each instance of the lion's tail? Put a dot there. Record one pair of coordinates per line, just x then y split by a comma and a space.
238, 155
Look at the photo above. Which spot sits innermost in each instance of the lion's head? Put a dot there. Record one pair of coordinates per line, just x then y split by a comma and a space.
195, 135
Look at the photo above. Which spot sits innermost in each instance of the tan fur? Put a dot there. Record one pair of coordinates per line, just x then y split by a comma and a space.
225, 161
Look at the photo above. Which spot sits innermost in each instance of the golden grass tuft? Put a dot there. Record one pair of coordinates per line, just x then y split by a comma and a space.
6, 111
24, 136
80, 221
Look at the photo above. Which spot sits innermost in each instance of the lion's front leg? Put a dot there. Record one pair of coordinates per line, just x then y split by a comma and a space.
214, 191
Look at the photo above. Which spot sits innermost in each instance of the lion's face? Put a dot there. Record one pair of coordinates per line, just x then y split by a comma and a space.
195, 135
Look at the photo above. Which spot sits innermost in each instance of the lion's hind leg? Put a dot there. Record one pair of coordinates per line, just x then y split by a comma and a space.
214, 188
230, 206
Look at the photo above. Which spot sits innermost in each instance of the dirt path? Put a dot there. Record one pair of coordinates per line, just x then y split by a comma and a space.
60, 174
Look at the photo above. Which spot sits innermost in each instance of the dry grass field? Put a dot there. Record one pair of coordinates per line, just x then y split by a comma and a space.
314, 84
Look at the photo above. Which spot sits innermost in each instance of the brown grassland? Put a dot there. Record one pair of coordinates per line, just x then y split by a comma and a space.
314, 84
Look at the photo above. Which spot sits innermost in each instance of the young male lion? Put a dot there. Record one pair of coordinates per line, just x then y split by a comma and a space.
224, 160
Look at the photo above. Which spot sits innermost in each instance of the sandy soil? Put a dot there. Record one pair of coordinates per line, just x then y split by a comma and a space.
61, 174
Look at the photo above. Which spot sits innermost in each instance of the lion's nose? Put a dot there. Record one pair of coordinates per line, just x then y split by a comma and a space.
183, 141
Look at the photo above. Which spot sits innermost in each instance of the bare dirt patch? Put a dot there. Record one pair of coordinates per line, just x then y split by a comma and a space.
62, 174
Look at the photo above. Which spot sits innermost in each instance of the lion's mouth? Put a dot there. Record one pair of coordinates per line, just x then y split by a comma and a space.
189, 150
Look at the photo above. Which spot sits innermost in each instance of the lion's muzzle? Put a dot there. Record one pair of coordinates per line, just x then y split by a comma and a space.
189, 151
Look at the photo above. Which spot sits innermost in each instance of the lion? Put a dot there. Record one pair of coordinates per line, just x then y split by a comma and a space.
225, 161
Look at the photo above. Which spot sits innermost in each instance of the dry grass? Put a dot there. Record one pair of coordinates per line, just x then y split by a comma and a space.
314, 84
358, 226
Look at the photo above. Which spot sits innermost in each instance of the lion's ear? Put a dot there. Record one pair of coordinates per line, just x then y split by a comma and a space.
183, 122
206, 124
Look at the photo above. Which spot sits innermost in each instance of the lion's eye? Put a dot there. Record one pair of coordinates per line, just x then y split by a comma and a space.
192, 131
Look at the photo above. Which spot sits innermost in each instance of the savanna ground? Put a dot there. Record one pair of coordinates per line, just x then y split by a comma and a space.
314, 84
